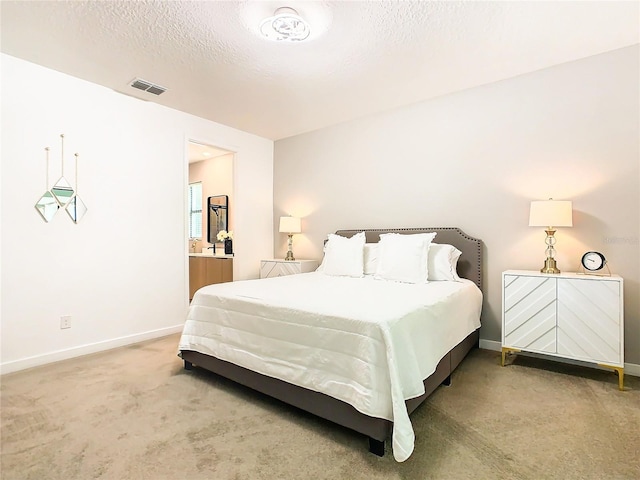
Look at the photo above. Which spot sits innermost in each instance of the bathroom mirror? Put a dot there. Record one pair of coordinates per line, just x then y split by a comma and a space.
217, 216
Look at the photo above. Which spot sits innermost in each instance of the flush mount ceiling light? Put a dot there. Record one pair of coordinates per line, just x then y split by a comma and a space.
285, 25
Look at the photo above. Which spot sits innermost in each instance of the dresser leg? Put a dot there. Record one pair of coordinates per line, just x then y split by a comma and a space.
506, 351
620, 378
619, 371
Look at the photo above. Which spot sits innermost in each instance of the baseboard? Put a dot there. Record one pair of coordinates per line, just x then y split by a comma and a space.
629, 368
78, 351
490, 345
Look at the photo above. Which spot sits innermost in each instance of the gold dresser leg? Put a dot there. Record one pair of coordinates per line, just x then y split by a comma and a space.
620, 377
506, 351
619, 371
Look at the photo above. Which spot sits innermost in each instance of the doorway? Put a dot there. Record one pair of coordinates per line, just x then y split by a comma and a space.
210, 174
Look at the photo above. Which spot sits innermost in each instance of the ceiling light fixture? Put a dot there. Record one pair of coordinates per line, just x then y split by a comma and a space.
285, 25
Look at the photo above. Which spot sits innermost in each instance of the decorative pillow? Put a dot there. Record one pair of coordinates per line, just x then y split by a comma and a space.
443, 262
403, 258
344, 256
370, 258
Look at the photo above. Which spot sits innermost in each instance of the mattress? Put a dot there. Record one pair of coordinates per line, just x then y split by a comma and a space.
367, 342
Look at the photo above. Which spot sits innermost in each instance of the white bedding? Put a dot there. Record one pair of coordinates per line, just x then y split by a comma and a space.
369, 343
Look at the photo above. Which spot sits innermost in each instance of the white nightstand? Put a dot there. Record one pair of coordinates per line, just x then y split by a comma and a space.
568, 315
279, 268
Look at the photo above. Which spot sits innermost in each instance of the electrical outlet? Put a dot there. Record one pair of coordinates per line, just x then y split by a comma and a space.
65, 321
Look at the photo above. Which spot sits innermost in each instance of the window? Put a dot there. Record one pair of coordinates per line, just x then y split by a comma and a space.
195, 210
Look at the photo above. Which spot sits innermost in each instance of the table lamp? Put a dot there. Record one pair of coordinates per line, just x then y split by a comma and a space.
550, 214
290, 225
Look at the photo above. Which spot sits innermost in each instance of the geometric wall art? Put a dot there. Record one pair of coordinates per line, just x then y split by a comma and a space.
62, 194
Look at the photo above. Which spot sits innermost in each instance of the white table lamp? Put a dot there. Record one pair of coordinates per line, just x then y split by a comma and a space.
550, 214
290, 225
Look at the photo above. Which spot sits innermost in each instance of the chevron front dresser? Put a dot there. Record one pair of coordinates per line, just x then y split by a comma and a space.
279, 268
569, 315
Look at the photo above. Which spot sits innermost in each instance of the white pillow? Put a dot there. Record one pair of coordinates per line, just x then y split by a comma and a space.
403, 258
443, 262
370, 258
344, 256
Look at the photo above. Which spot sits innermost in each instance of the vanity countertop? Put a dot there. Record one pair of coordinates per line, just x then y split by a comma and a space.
209, 255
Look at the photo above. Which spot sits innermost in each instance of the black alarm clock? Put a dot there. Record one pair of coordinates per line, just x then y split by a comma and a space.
593, 261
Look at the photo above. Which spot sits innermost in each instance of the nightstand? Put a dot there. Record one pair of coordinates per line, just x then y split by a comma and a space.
568, 315
279, 268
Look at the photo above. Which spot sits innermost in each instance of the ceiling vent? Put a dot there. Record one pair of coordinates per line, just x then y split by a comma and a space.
147, 86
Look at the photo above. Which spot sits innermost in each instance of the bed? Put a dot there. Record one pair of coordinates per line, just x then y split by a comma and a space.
340, 347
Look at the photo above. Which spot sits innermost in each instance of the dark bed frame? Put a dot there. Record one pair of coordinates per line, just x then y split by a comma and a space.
377, 429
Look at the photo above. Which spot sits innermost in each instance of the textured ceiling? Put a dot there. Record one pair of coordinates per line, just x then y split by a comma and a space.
361, 57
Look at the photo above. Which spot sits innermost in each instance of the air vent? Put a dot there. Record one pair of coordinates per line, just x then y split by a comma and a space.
147, 86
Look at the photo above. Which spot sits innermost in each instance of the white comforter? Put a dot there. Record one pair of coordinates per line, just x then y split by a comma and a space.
369, 343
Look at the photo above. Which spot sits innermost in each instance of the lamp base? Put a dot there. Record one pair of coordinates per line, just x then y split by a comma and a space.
289, 256
549, 266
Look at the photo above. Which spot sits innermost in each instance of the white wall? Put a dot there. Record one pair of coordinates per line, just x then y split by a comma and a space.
121, 273
475, 160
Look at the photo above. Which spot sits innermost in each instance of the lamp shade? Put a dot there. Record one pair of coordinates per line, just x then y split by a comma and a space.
551, 213
289, 225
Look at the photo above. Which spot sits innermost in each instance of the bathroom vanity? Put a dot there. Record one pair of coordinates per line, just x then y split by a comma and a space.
206, 269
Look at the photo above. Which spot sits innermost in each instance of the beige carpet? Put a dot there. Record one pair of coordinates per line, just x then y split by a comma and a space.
134, 413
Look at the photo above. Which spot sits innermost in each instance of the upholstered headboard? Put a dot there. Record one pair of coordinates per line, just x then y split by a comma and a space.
470, 262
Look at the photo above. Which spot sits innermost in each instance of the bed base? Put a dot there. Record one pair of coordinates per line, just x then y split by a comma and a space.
324, 406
